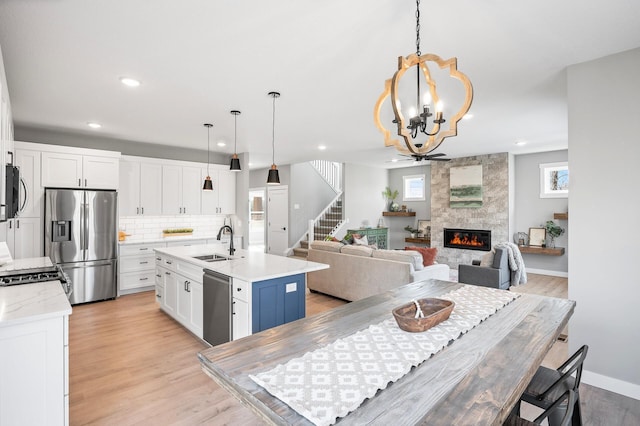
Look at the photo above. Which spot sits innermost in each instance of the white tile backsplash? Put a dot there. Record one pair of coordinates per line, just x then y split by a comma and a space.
143, 228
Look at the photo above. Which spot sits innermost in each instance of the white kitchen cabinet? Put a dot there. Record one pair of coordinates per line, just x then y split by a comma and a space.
34, 371
181, 188
241, 318
140, 190
170, 303
24, 237
189, 306
137, 267
31, 191
222, 200
70, 170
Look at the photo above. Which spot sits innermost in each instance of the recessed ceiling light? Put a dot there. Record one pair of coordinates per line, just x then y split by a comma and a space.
94, 125
131, 82
521, 142
222, 144
322, 147
467, 116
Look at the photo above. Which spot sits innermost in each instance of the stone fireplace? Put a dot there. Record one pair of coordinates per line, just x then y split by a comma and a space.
469, 239
492, 216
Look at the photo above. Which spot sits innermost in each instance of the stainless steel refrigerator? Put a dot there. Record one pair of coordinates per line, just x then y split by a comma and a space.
80, 235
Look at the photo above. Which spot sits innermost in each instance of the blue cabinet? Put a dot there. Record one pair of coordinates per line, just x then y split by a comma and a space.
277, 301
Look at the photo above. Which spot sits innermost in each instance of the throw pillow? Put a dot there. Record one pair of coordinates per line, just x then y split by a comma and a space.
330, 238
360, 241
428, 254
487, 259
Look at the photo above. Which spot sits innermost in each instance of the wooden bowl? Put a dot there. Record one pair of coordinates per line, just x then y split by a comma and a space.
435, 311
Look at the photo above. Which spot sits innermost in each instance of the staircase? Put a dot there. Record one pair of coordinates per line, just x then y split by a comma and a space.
322, 228
332, 216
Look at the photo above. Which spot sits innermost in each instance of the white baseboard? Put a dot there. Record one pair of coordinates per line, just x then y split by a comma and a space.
548, 272
609, 383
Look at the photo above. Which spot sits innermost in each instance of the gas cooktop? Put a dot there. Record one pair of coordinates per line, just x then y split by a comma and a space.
33, 275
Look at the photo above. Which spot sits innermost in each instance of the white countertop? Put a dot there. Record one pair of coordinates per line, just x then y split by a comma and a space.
176, 238
246, 265
31, 302
29, 263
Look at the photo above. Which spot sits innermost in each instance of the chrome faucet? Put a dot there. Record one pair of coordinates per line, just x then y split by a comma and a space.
231, 249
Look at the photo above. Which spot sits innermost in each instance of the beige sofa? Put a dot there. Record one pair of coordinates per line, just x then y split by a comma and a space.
357, 272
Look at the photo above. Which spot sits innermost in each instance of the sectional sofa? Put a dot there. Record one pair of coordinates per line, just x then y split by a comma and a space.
357, 272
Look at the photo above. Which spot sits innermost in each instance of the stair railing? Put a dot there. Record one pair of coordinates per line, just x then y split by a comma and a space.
309, 235
331, 172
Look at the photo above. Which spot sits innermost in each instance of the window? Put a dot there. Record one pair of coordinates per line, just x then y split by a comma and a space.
413, 188
554, 180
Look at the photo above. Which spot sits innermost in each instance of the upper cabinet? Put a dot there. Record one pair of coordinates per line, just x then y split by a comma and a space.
181, 188
71, 170
222, 200
140, 188
30, 191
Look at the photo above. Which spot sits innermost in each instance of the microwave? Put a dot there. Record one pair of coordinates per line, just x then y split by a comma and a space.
12, 191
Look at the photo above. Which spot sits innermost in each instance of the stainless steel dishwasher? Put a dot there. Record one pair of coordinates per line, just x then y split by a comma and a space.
217, 307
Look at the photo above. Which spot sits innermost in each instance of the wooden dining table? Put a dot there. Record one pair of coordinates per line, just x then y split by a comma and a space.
475, 380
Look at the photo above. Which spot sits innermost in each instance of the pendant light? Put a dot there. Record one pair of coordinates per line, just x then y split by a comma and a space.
235, 161
274, 176
208, 185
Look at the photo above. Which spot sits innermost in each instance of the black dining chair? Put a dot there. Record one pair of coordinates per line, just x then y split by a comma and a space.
569, 396
548, 385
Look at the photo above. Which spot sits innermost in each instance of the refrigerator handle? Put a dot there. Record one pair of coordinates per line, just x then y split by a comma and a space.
82, 229
86, 226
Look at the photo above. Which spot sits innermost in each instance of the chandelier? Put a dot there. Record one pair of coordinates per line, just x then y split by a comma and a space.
420, 124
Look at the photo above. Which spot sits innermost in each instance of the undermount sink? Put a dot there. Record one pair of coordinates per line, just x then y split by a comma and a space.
211, 258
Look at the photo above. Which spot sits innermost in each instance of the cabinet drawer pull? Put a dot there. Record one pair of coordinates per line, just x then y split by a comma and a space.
143, 248
167, 273
158, 296
144, 262
168, 262
158, 275
239, 289
158, 258
144, 278
79, 182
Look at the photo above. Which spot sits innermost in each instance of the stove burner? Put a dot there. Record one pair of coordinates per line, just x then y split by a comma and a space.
30, 276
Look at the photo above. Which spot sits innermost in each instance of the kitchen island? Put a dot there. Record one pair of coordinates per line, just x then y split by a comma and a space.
267, 290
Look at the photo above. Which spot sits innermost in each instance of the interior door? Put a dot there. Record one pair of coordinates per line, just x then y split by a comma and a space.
278, 220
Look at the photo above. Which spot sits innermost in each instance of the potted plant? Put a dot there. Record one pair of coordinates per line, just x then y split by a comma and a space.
389, 196
553, 231
412, 231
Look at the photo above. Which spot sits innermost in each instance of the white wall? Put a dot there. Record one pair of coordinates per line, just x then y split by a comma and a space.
531, 211
363, 188
396, 225
603, 215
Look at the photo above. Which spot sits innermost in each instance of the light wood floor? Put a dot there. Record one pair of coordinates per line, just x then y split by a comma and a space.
132, 364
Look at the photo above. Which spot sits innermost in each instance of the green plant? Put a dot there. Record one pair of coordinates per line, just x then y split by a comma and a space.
410, 229
390, 195
553, 229
177, 231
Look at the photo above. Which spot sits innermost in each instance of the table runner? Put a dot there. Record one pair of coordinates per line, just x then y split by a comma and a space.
330, 382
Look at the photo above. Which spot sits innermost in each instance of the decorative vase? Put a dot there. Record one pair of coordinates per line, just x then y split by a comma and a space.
552, 242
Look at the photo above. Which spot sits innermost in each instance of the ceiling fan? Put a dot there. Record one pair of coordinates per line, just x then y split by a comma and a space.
426, 157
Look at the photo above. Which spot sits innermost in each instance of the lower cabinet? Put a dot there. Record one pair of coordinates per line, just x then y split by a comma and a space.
179, 286
34, 389
277, 301
137, 267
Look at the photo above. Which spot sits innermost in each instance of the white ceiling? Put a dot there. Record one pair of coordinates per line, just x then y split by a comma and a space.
199, 59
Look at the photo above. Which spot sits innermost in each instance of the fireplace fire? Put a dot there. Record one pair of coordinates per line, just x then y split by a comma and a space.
470, 239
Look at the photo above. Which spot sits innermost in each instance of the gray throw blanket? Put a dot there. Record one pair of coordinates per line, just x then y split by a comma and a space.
516, 264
